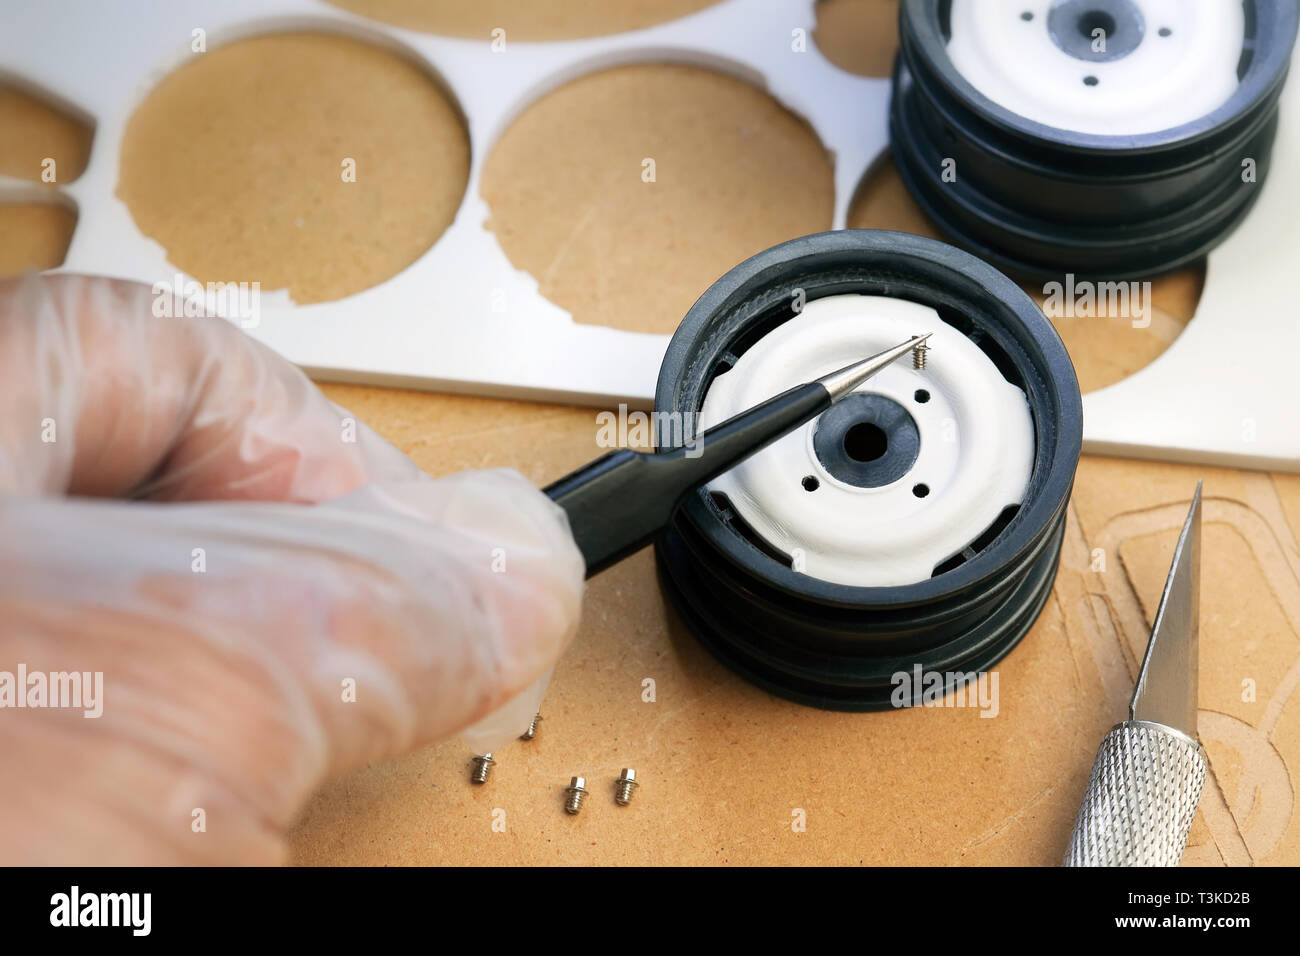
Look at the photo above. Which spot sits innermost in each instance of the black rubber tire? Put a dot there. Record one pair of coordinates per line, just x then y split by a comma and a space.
1038, 201
837, 646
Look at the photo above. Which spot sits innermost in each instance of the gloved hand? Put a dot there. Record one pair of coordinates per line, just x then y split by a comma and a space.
275, 603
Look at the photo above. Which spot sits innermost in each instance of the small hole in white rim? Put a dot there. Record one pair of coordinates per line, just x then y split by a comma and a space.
921, 490
921, 395
810, 483
1164, 31
1026, 16
1089, 81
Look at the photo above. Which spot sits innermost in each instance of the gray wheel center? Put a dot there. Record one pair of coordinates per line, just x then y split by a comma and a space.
867, 440
1073, 26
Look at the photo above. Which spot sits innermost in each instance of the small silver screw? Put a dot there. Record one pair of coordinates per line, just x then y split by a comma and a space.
918, 355
482, 765
624, 787
531, 732
576, 791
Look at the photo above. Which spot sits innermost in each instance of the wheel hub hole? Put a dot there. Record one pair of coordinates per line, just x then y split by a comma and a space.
865, 441
1096, 31
1094, 20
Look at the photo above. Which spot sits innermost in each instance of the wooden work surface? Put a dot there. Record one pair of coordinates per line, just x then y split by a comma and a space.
725, 765
727, 768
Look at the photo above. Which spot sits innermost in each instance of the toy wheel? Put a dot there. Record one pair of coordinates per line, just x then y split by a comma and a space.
918, 522
1109, 138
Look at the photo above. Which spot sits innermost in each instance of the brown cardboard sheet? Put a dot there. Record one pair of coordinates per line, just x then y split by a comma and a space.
602, 183
858, 35
34, 235
41, 141
532, 20
48, 145
312, 162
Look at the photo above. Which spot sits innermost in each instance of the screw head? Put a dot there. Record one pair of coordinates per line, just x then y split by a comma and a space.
575, 793
624, 787
482, 766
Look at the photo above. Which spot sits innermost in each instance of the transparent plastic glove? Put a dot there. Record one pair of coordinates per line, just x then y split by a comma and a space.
277, 605
509, 721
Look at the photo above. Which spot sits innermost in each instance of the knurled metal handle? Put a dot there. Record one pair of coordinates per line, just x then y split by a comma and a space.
1141, 798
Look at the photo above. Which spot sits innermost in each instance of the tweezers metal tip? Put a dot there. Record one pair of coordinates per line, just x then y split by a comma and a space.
843, 381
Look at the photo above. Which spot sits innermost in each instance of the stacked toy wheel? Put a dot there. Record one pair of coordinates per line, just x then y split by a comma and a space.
1108, 138
915, 525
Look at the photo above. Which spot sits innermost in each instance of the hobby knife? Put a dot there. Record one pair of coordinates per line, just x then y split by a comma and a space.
1147, 779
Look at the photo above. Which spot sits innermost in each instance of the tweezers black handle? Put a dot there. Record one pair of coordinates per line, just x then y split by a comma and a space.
619, 502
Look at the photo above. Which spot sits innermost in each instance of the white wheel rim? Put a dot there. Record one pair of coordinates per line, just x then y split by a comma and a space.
975, 453
1166, 80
